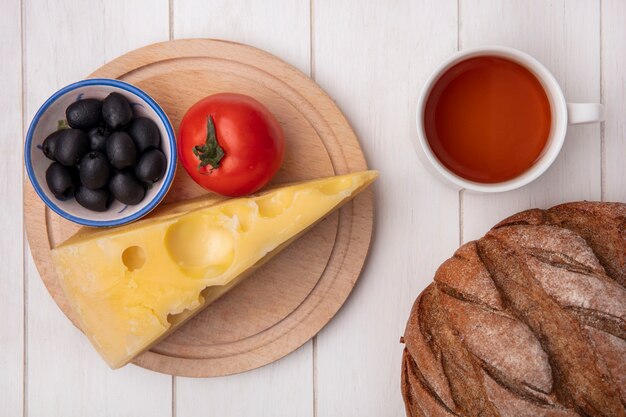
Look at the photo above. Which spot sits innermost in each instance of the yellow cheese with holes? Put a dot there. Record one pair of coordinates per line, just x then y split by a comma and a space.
131, 286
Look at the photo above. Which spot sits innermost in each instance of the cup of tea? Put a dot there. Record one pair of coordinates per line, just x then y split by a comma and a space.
492, 119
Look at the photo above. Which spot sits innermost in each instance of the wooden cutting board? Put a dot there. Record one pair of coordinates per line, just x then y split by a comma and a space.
291, 298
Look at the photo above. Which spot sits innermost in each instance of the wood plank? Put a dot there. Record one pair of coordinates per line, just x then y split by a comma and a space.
373, 59
283, 388
614, 97
564, 36
280, 27
11, 243
65, 42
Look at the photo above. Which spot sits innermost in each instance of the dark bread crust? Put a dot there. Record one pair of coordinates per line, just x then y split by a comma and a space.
602, 225
530, 320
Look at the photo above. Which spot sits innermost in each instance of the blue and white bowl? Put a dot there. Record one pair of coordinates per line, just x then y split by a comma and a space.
46, 121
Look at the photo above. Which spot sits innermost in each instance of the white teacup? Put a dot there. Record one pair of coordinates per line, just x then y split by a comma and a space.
563, 113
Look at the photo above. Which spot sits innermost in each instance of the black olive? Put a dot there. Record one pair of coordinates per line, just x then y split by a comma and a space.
116, 111
71, 145
60, 181
151, 166
126, 188
50, 143
121, 150
75, 176
98, 138
145, 133
84, 114
96, 200
94, 170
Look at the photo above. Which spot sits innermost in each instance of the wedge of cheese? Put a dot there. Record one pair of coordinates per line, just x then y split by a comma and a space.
131, 286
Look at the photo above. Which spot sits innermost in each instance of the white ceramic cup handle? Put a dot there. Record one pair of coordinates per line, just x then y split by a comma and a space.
578, 113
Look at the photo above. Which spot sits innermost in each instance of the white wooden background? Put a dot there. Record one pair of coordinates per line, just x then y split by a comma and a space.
372, 57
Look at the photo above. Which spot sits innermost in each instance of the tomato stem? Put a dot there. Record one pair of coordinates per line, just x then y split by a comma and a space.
211, 153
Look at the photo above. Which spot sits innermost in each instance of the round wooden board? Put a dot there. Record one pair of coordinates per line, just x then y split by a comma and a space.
292, 297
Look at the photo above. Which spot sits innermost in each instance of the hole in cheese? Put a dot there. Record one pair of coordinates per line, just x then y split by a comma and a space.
271, 205
242, 213
197, 242
207, 296
134, 257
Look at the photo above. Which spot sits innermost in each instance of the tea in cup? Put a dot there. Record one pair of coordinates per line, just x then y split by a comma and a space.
493, 119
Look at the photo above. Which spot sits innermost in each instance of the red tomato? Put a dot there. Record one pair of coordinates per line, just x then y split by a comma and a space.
230, 144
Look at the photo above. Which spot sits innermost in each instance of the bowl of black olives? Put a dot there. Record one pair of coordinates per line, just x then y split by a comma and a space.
100, 152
